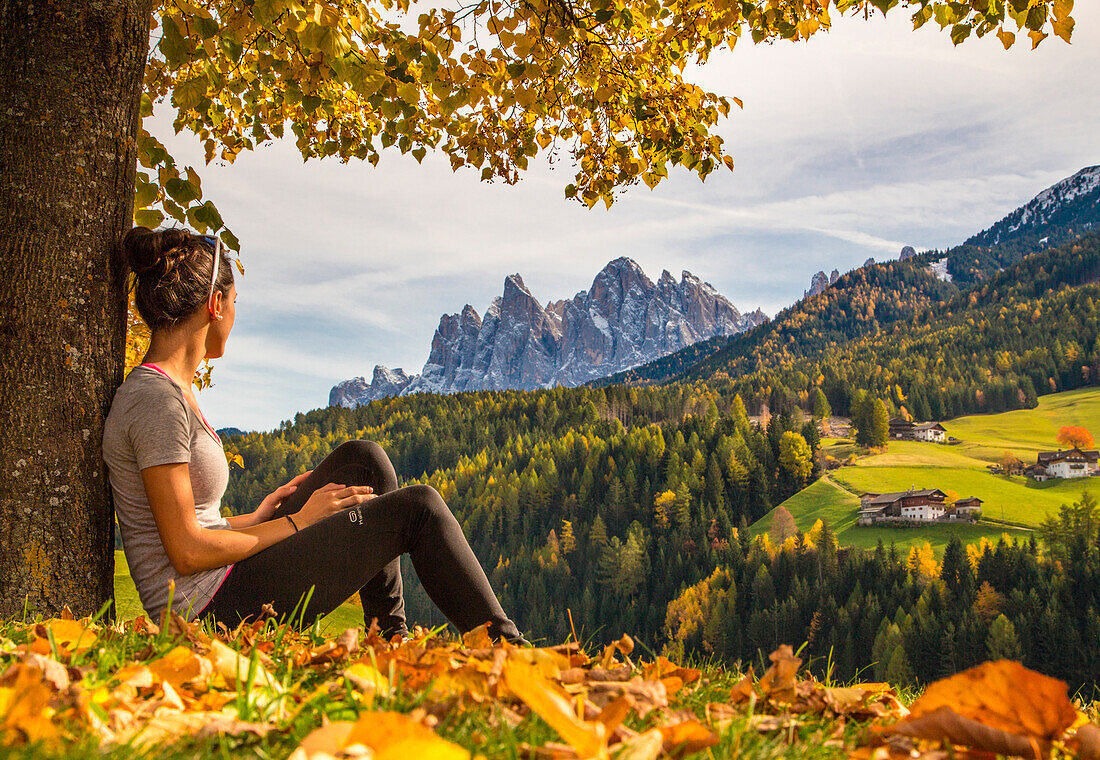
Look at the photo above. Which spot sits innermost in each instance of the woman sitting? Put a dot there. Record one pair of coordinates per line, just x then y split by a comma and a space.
328, 533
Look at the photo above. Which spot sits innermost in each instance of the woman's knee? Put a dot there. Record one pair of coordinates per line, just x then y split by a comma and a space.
429, 499
360, 449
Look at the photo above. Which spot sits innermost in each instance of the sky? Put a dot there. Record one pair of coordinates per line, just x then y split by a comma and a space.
851, 145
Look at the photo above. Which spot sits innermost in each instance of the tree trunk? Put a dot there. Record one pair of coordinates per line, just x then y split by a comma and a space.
70, 87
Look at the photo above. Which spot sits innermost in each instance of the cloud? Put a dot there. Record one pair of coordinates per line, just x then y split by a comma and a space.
859, 141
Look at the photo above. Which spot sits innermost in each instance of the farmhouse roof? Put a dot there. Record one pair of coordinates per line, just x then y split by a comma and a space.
930, 426
1074, 454
889, 498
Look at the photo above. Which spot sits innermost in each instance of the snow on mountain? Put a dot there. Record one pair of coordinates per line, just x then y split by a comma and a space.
1060, 199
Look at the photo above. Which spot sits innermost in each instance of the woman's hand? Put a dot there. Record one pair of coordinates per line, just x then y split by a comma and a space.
330, 499
273, 501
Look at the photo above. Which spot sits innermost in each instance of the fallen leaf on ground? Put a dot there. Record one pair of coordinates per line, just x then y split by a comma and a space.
743, 690
394, 736
686, 737
997, 706
25, 712
778, 681
553, 705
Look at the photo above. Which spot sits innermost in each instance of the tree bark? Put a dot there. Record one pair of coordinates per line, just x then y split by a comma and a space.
70, 88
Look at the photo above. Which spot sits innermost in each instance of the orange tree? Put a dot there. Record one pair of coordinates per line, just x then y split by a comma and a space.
489, 83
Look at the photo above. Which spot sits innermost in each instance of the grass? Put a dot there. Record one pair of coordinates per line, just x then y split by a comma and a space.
1026, 432
1017, 502
128, 605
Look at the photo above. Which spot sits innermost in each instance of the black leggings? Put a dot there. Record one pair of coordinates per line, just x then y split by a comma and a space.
359, 549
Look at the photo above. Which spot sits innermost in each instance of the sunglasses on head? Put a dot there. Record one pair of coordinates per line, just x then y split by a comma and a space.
216, 244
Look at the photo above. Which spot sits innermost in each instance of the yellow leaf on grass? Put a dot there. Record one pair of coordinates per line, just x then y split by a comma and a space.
553, 705
687, 737
673, 676
234, 667
71, 634
180, 666
325, 741
394, 736
25, 710
367, 679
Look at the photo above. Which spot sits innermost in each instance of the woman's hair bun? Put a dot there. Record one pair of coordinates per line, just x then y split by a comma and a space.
173, 268
154, 253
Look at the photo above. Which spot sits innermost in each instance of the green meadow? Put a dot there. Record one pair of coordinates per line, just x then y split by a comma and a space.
128, 605
1012, 504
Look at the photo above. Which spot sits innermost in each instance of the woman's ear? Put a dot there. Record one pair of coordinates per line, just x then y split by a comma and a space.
216, 305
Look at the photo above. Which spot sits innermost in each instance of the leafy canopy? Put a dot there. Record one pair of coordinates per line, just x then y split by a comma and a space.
489, 83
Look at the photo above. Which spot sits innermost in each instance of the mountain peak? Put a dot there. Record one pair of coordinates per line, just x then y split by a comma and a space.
515, 281
623, 262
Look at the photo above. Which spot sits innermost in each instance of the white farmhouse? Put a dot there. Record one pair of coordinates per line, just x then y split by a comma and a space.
933, 432
1070, 463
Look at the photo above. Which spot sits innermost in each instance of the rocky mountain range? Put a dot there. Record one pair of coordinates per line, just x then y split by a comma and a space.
624, 319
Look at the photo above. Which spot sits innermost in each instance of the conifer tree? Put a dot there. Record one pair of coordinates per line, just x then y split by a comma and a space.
821, 408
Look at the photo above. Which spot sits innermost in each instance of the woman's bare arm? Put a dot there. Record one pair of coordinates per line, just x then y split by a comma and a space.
191, 548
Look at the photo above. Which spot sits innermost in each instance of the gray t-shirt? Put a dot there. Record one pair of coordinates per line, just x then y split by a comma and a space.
151, 423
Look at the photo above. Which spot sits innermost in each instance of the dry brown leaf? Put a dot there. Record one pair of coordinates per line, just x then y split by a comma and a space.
168, 725
720, 714
615, 712
778, 681
687, 737
549, 751
349, 639
625, 644
647, 695
673, 676
768, 723
1004, 695
743, 690
52, 670
620, 673
944, 724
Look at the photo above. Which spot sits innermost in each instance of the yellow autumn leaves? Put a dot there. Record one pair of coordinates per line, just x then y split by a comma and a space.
488, 84
191, 684
265, 680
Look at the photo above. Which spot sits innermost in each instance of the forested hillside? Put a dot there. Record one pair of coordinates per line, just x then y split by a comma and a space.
1029, 330
607, 501
1055, 216
907, 618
